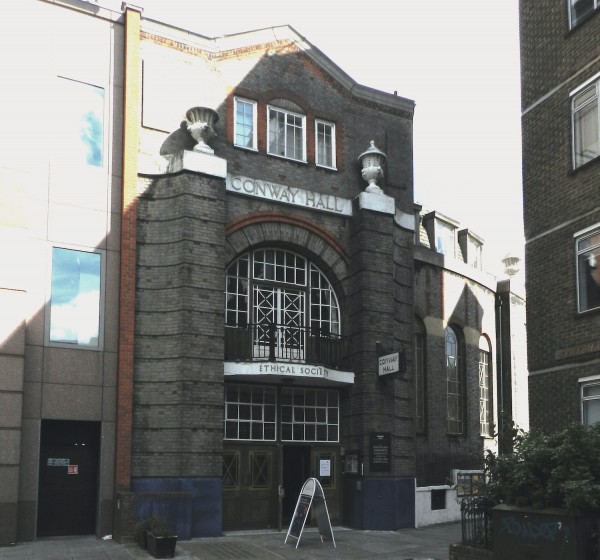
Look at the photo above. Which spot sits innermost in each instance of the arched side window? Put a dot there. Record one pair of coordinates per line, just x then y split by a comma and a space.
454, 382
420, 377
485, 387
284, 300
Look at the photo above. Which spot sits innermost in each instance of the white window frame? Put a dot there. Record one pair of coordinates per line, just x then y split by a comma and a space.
573, 21
594, 89
253, 104
579, 237
333, 145
287, 114
474, 253
101, 303
441, 225
583, 383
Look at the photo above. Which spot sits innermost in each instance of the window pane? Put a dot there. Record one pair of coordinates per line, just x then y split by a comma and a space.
75, 297
580, 8
80, 112
586, 133
591, 412
286, 134
325, 144
244, 123
588, 272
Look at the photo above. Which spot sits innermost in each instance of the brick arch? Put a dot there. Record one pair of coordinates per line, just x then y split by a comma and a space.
272, 228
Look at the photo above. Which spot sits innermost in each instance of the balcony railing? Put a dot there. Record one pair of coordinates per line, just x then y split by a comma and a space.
281, 343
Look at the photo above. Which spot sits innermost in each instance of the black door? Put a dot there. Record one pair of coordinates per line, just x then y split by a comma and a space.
68, 484
296, 469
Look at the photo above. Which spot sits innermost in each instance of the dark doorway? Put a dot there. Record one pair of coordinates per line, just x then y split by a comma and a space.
296, 469
68, 484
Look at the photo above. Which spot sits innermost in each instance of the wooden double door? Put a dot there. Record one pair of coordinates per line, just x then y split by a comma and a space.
261, 482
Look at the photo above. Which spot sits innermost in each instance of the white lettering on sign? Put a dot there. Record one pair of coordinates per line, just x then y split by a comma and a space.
293, 369
389, 363
288, 195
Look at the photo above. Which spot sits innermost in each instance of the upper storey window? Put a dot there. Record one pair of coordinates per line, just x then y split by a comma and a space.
75, 297
80, 113
445, 238
588, 271
286, 133
245, 123
325, 143
578, 9
586, 135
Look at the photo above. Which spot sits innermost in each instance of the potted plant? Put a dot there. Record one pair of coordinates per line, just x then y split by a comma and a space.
161, 540
548, 489
142, 527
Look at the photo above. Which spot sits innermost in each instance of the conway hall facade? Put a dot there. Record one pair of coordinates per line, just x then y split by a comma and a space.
219, 285
274, 228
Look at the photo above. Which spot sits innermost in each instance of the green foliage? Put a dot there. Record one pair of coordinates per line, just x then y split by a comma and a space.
556, 470
154, 525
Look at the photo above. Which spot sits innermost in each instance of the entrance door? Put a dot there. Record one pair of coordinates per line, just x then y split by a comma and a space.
296, 469
285, 308
250, 475
68, 482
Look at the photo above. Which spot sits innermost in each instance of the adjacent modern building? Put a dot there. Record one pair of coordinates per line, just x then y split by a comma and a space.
217, 284
561, 174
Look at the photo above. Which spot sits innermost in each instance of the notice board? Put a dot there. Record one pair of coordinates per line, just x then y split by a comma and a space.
380, 451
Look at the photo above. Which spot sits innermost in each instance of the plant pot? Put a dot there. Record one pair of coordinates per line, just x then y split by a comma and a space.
161, 547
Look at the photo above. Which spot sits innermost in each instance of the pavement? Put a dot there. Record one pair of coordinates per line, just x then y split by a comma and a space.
425, 543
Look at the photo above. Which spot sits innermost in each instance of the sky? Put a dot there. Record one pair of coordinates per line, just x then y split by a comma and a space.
459, 62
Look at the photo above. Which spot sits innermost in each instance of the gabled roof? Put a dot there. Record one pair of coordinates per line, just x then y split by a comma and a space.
218, 46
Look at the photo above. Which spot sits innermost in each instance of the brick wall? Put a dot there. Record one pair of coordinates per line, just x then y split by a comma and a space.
178, 420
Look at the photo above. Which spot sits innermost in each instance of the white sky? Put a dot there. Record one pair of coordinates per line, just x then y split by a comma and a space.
458, 60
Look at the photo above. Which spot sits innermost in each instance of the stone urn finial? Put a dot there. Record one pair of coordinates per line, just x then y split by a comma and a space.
200, 125
372, 167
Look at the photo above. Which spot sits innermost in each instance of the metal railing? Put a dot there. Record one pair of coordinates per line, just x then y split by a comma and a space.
476, 521
282, 343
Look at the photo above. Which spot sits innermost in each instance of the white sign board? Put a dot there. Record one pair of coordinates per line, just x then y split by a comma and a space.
325, 467
389, 363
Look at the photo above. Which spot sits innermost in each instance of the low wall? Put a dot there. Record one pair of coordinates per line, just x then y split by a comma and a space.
425, 515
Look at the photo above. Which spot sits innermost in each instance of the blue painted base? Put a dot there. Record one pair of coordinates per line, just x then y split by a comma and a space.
191, 505
379, 504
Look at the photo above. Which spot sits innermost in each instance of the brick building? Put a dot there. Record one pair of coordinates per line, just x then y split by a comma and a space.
560, 122
207, 255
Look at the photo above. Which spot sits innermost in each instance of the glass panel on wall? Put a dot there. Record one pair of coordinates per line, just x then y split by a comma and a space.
80, 116
75, 297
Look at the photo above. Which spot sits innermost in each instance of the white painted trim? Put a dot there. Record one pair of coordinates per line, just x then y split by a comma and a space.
307, 372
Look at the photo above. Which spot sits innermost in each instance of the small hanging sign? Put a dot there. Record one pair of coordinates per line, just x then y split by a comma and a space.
311, 493
72, 469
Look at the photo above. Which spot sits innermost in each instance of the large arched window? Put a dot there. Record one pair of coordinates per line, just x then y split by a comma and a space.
284, 300
454, 381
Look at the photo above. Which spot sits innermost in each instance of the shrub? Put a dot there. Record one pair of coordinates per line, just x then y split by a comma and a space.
561, 469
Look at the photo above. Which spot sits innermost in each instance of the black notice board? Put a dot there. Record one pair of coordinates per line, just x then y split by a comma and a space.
380, 451
300, 515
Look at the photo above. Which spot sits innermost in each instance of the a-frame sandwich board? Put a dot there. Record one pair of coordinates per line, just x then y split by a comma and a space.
311, 494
